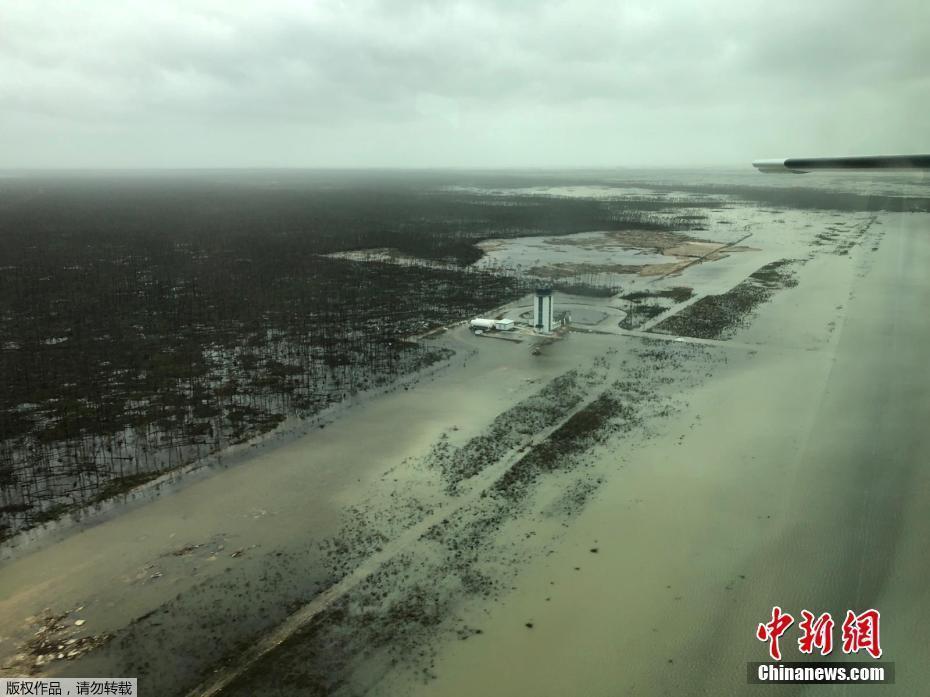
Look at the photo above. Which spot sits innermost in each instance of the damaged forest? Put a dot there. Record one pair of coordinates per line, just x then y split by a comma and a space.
149, 321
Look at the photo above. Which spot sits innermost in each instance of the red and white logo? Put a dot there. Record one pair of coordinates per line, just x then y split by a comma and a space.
859, 632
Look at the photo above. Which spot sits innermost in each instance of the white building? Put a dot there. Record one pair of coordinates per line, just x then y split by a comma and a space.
501, 325
504, 325
542, 310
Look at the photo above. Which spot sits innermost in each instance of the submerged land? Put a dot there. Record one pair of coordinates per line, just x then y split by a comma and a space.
250, 444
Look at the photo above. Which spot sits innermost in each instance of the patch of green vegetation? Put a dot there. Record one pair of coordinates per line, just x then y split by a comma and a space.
510, 429
717, 316
778, 274
586, 427
583, 289
678, 294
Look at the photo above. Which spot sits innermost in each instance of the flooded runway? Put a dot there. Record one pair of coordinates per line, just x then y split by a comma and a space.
793, 478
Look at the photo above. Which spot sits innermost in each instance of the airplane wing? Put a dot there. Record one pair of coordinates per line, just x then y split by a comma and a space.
802, 165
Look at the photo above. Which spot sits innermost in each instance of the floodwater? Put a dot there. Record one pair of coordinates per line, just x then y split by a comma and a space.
795, 477
230, 556
749, 237
783, 466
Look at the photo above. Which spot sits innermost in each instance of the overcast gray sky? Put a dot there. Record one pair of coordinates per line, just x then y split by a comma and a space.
405, 83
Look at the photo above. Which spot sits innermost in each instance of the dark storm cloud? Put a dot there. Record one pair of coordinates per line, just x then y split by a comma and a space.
458, 83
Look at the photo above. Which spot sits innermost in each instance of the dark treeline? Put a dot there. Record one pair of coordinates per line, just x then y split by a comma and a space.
305, 213
149, 321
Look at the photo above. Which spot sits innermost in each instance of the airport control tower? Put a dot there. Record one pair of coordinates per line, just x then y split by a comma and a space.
542, 310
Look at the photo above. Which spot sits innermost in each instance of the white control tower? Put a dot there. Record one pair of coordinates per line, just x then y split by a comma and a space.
542, 310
